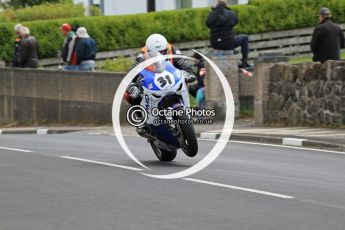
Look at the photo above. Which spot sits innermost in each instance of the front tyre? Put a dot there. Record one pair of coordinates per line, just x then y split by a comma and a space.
162, 154
186, 136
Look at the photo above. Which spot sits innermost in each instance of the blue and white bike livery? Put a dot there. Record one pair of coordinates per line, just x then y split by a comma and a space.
166, 90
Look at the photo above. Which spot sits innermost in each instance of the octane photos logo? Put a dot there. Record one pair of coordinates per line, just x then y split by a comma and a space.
137, 116
217, 148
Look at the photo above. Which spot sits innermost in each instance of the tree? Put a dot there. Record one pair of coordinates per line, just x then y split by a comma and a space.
26, 3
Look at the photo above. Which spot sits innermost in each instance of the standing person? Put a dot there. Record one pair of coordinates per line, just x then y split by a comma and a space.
85, 50
27, 56
68, 49
327, 39
16, 45
223, 37
197, 90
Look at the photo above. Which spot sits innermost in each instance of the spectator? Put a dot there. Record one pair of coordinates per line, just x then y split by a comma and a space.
85, 50
27, 56
223, 37
68, 50
327, 39
197, 89
16, 45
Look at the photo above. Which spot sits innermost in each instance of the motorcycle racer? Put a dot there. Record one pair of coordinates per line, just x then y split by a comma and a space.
156, 43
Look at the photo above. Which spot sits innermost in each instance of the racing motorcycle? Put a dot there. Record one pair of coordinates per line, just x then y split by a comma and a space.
163, 89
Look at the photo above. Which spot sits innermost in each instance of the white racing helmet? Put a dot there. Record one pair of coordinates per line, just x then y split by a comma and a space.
156, 42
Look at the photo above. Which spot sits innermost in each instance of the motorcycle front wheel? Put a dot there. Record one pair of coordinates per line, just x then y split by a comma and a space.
162, 154
186, 136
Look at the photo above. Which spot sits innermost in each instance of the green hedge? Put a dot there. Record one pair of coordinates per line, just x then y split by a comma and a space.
42, 12
129, 31
120, 64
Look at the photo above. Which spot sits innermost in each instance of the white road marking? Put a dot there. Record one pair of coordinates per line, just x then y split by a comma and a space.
101, 163
293, 141
265, 144
240, 188
289, 147
94, 133
281, 146
18, 150
322, 135
208, 135
42, 131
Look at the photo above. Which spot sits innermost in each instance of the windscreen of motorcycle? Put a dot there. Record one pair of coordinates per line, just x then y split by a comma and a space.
159, 66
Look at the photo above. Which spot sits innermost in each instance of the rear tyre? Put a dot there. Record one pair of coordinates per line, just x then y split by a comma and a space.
162, 154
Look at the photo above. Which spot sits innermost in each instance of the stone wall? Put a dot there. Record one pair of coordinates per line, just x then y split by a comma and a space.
29, 96
309, 94
246, 91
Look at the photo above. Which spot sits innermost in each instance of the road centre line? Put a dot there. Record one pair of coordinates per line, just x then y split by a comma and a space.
188, 179
240, 188
17, 150
101, 163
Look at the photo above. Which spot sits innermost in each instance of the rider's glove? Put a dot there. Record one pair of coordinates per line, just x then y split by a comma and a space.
134, 91
189, 78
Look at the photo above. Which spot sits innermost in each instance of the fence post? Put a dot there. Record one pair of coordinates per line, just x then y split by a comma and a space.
263, 65
227, 62
2, 64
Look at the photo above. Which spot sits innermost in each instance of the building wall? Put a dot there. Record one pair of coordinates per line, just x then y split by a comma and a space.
200, 3
117, 7
165, 5
242, 2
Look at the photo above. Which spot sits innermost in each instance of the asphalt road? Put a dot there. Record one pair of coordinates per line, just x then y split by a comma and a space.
96, 186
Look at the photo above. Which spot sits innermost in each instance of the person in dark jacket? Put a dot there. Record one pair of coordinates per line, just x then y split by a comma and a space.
27, 56
223, 37
327, 39
86, 50
16, 45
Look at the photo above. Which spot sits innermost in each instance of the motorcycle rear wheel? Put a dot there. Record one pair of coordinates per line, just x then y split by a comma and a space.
162, 154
